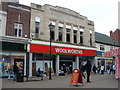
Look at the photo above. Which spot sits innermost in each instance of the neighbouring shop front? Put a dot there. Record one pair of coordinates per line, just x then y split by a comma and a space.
64, 57
12, 53
99, 60
116, 53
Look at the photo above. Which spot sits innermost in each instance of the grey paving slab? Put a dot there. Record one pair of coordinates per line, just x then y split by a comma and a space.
98, 81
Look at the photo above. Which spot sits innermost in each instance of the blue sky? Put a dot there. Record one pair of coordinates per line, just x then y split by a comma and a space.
104, 13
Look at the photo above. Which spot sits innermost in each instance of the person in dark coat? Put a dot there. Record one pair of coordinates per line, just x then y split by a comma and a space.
94, 69
82, 69
88, 69
39, 73
15, 70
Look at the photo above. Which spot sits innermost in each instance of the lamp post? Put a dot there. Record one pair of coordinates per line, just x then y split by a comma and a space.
50, 27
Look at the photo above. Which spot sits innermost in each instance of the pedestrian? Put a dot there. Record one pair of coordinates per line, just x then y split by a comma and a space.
39, 73
102, 69
10, 72
111, 68
99, 68
114, 68
94, 69
15, 70
82, 69
108, 68
88, 69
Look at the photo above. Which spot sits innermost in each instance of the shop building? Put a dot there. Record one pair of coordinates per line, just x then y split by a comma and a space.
15, 38
104, 43
73, 39
13, 51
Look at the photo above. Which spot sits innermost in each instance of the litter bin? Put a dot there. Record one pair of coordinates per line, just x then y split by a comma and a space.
19, 77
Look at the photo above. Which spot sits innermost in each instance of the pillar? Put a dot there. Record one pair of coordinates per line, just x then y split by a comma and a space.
57, 64
105, 65
71, 35
30, 64
64, 32
77, 62
25, 64
96, 61
56, 30
117, 59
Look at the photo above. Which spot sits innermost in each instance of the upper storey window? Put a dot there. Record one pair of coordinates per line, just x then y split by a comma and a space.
81, 35
90, 37
37, 27
102, 47
60, 32
52, 32
68, 30
75, 34
18, 29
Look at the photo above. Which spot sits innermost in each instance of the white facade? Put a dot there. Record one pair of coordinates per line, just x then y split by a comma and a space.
99, 58
3, 16
106, 47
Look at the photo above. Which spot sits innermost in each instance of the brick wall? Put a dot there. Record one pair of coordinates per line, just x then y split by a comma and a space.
17, 13
115, 35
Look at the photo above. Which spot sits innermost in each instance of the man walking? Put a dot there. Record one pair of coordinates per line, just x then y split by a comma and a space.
15, 70
88, 69
82, 68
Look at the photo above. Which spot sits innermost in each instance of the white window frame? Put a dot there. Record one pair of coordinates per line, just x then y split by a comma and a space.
18, 26
102, 46
111, 47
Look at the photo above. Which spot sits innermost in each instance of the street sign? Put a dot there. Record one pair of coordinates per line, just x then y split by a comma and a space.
76, 77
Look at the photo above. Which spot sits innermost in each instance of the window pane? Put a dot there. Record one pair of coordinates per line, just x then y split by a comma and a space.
19, 33
75, 38
102, 47
81, 33
37, 30
81, 39
20, 26
53, 28
15, 32
60, 36
15, 25
18, 29
37, 24
68, 37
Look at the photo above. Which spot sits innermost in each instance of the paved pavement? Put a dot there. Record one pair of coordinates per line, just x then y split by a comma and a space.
98, 81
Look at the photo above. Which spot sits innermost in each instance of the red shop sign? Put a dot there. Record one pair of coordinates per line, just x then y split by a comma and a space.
61, 50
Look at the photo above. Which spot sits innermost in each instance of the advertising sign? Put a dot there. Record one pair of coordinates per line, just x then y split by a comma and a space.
61, 50
76, 77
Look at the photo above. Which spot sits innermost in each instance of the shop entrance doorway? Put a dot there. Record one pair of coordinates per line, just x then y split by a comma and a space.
66, 67
20, 64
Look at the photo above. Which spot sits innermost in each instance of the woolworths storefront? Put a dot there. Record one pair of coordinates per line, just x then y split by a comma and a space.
65, 57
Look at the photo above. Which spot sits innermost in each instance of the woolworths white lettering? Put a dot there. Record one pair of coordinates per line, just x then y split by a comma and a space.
60, 50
